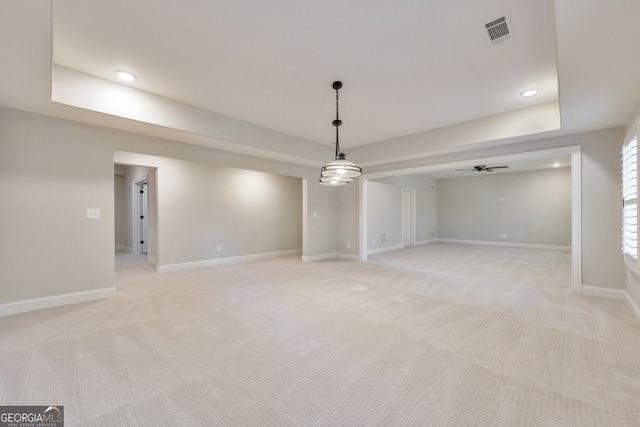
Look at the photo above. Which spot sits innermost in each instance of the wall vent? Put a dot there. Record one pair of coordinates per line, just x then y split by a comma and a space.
383, 238
499, 29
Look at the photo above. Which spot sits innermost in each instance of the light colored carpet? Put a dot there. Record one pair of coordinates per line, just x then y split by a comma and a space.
435, 335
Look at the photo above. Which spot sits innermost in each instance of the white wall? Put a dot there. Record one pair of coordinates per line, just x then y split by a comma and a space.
602, 263
347, 227
202, 206
528, 207
49, 175
384, 209
52, 170
426, 205
244, 212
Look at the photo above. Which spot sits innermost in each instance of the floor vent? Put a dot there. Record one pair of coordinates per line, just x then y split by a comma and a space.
383, 238
499, 30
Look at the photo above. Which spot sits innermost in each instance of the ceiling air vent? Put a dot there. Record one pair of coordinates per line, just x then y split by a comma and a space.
499, 30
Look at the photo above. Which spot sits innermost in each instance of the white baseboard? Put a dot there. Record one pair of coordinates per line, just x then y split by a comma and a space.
330, 255
120, 247
320, 257
507, 244
7, 309
613, 294
384, 249
427, 242
594, 291
348, 257
633, 307
220, 261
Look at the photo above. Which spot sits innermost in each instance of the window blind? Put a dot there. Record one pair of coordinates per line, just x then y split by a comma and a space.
630, 198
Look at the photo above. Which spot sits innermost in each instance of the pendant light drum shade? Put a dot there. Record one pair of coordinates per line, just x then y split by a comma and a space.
332, 181
341, 168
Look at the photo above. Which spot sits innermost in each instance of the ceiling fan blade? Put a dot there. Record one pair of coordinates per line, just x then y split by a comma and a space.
481, 168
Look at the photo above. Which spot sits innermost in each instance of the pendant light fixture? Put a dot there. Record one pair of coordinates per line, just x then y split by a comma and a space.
340, 171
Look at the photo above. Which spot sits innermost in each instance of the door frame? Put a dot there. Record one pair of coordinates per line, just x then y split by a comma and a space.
140, 229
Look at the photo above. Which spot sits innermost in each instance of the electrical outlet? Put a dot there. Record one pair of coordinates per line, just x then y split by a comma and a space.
347, 245
93, 213
219, 248
374, 241
503, 236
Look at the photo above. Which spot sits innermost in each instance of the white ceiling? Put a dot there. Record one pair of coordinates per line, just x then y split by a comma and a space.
514, 164
408, 66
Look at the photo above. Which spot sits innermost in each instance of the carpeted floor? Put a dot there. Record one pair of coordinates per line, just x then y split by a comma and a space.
434, 335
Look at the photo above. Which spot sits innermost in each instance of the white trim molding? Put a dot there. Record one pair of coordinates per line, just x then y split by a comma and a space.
507, 244
632, 289
331, 255
24, 306
427, 242
613, 294
362, 208
348, 257
633, 307
606, 293
384, 249
220, 261
320, 257
576, 220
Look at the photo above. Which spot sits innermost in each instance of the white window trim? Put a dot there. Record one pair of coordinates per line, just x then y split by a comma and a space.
630, 199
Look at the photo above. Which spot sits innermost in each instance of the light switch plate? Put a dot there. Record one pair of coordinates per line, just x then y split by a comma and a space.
93, 213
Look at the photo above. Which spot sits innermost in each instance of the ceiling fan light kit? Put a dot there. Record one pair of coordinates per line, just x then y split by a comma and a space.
340, 171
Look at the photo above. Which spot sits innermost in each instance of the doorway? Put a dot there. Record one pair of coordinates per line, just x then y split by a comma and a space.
136, 211
142, 214
408, 217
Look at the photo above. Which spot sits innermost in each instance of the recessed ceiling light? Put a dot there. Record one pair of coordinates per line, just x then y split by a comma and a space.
529, 93
125, 75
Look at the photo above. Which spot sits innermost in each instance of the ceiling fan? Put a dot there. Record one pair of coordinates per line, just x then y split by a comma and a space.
482, 168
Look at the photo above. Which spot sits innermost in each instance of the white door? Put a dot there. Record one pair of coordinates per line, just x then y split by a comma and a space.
143, 209
406, 217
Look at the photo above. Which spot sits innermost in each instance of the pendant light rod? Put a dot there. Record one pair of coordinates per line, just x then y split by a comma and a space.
337, 85
340, 171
